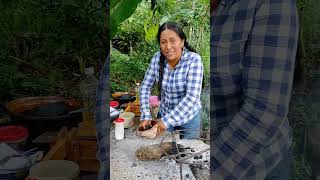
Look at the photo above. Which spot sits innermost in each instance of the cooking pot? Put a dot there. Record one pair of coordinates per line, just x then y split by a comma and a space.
41, 114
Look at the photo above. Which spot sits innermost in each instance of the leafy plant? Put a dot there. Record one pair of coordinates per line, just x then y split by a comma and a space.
120, 10
49, 43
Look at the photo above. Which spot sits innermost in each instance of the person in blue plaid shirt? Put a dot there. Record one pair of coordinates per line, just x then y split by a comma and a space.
179, 73
253, 49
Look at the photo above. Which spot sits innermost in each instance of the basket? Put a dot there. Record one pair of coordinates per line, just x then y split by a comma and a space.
133, 107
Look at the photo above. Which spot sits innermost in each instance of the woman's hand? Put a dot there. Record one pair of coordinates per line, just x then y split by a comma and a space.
161, 126
144, 123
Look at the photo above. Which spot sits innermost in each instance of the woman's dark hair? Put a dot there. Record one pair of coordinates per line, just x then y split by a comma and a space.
178, 29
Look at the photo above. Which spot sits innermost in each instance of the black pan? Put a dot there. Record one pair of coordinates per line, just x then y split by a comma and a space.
125, 98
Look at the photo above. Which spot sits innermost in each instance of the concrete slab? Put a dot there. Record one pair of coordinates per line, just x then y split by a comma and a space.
124, 165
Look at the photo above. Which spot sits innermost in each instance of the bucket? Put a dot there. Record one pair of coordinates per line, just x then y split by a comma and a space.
128, 119
55, 170
14, 136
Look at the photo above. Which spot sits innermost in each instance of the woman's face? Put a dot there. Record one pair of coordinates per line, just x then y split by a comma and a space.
171, 45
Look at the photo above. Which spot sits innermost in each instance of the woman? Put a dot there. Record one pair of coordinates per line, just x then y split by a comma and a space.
178, 70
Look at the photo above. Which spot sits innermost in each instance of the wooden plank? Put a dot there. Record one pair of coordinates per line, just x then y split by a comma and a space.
47, 137
57, 152
58, 149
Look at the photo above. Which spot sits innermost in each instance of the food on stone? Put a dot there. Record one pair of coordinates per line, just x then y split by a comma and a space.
155, 152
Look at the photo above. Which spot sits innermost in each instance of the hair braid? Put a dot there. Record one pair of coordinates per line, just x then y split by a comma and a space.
161, 69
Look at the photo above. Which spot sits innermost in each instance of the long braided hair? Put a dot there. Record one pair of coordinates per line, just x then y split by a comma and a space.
178, 29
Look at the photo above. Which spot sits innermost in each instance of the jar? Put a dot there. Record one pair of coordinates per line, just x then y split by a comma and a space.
154, 106
119, 128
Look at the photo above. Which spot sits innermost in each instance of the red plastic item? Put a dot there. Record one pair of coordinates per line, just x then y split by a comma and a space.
119, 120
13, 133
114, 104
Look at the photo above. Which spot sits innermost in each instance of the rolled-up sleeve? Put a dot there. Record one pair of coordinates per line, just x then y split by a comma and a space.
147, 83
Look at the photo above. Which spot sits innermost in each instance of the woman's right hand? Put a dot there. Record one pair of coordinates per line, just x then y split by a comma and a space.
143, 123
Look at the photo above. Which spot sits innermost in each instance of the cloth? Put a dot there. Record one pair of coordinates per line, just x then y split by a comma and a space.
101, 122
181, 89
253, 49
12, 161
283, 170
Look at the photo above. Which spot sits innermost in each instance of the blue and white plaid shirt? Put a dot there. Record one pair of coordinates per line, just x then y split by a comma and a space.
253, 49
102, 119
181, 89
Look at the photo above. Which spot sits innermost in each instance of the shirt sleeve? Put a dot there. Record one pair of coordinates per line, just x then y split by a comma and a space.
101, 120
267, 74
185, 110
146, 85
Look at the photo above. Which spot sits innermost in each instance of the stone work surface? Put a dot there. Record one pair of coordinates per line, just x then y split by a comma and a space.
124, 165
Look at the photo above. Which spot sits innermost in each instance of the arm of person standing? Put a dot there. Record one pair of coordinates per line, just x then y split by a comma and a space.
267, 74
101, 118
145, 91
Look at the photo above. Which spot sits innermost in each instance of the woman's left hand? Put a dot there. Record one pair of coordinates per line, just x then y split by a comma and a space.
161, 126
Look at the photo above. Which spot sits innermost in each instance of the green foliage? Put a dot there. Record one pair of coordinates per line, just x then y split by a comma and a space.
300, 116
205, 111
310, 25
126, 70
120, 10
301, 169
47, 43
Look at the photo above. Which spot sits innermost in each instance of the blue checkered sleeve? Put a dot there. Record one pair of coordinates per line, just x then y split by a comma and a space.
101, 122
252, 62
147, 83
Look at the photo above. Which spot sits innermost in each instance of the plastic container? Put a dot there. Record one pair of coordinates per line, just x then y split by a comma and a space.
128, 119
88, 88
55, 170
14, 136
114, 104
119, 128
154, 106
